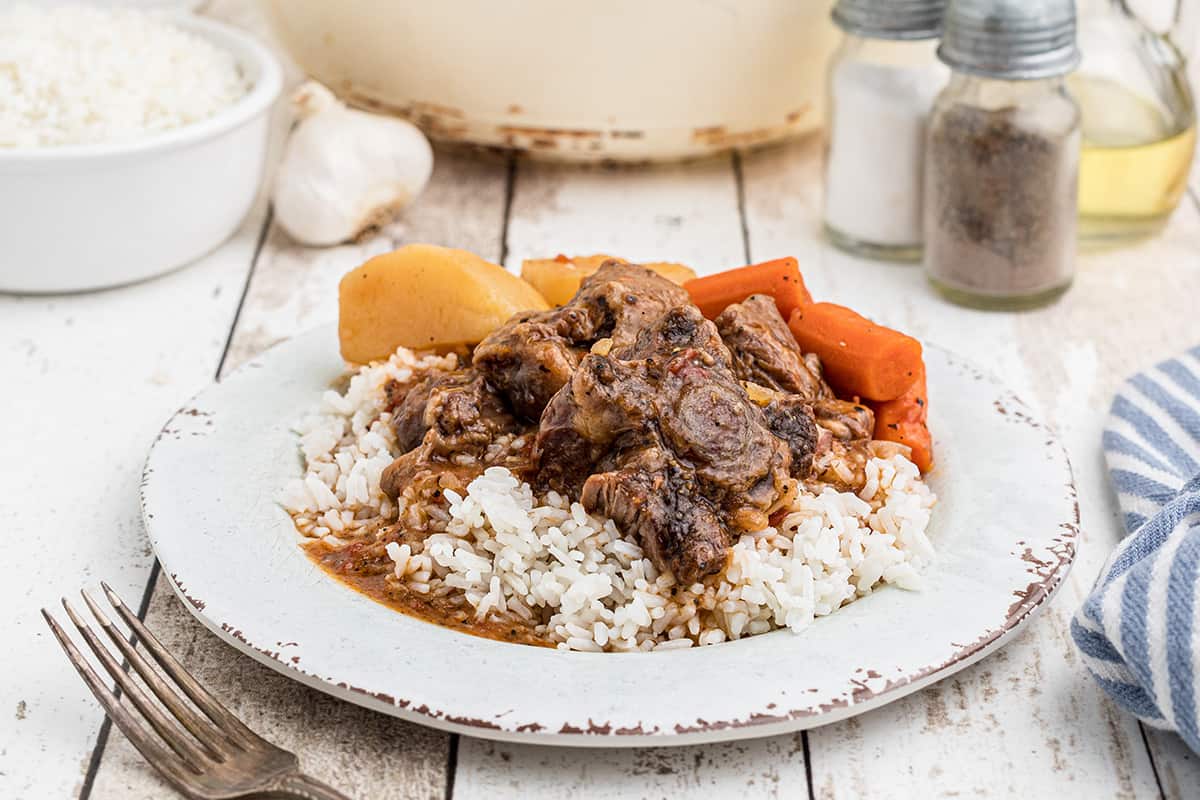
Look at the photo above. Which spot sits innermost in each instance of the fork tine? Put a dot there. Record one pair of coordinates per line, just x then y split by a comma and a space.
220, 715
197, 725
176, 739
159, 757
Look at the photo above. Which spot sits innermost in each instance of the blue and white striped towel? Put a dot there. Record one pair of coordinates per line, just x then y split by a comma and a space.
1139, 630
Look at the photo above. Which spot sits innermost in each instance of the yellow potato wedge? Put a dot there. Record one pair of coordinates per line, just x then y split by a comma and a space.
558, 278
426, 297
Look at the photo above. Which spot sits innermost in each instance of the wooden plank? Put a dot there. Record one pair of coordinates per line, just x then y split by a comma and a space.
89, 380
682, 212
759, 768
1178, 767
1028, 721
294, 288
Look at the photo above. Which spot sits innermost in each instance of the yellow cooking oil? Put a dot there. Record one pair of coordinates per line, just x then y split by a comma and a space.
1135, 160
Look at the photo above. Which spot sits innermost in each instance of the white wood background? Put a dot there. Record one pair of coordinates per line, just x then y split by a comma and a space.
92, 377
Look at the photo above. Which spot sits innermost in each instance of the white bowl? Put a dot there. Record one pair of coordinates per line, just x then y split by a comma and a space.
81, 217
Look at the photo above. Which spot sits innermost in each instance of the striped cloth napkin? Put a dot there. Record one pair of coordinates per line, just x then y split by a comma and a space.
1139, 630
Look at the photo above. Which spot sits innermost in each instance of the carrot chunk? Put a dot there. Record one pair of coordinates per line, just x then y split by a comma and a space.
904, 421
779, 278
861, 359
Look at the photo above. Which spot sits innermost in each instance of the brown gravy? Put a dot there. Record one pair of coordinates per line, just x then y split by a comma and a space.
438, 610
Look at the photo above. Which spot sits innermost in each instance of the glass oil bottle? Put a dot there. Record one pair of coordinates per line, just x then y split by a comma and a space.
1139, 122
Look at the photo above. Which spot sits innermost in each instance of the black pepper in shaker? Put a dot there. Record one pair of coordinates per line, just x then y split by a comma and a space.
1002, 155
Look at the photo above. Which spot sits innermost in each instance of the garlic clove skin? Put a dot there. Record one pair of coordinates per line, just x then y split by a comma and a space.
346, 171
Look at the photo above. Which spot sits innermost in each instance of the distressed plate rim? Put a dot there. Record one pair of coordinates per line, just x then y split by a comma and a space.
173, 513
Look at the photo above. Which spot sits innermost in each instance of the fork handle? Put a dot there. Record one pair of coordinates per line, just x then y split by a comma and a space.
302, 787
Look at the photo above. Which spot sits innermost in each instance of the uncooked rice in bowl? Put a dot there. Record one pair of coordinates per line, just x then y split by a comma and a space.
515, 555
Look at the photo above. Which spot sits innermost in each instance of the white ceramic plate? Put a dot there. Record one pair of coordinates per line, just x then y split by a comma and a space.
1005, 529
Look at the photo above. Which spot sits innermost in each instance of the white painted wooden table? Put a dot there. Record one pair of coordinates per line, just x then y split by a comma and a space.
89, 379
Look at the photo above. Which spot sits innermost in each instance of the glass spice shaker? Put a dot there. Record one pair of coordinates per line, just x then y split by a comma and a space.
882, 81
1002, 155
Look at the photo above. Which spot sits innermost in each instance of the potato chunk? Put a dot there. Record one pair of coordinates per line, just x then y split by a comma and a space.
426, 297
558, 278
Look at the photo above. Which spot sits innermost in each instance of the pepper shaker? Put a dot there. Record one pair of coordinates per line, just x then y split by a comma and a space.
1002, 155
882, 81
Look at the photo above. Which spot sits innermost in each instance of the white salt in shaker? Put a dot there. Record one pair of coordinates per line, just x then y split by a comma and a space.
882, 83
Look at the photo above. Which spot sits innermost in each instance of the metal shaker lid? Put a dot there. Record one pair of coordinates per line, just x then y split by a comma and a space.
890, 19
1010, 39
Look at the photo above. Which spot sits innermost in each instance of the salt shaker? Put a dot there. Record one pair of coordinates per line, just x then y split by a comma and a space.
1002, 155
882, 82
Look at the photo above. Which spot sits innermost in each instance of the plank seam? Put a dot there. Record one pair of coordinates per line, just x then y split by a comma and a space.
740, 186
98, 750
1150, 755
808, 770
451, 765
237, 314
510, 186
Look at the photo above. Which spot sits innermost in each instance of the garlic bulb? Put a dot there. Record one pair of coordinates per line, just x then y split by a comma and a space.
345, 172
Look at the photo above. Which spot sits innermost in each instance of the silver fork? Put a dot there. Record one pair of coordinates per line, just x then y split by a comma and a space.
214, 756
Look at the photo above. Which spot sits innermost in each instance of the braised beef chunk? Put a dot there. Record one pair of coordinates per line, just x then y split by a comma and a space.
764, 351
529, 358
672, 443
683, 327
791, 419
605, 399
462, 421
845, 420
707, 419
407, 405
412, 412
623, 299
466, 415
532, 356
652, 496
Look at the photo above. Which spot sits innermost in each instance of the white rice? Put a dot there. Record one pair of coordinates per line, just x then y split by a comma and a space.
77, 74
514, 555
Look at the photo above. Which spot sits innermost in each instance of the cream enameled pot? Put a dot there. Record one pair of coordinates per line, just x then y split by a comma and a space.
624, 80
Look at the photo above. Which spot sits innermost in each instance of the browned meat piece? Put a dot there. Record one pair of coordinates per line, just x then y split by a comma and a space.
674, 330
528, 359
605, 399
707, 419
791, 419
651, 496
764, 351
407, 404
845, 420
465, 415
394, 393
677, 423
532, 356
464, 424
623, 299
609, 397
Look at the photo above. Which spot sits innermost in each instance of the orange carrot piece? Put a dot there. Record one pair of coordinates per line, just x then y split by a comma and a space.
903, 421
779, 278
861, 359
